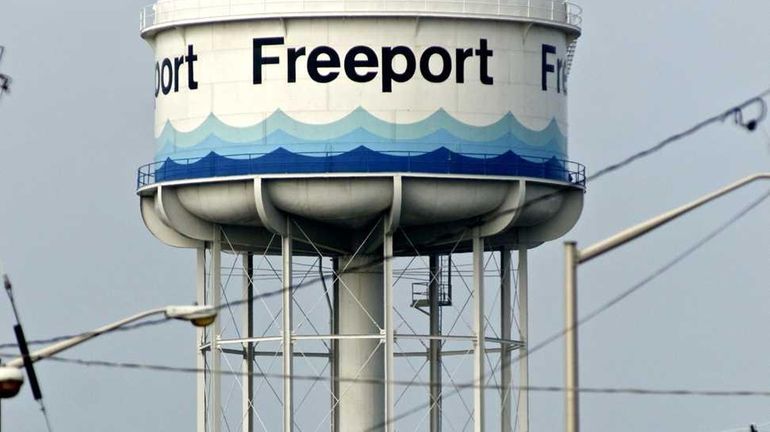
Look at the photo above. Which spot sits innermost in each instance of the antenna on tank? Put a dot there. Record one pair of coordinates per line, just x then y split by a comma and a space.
5, 80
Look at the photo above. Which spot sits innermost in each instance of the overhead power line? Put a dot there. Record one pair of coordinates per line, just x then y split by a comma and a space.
738, 117
614, 301
655, 274
55, 339
735, 113
551, 389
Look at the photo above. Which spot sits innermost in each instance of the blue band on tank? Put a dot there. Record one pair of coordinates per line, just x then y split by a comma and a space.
362, 160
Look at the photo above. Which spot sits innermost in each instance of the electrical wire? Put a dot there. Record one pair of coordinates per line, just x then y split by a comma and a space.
736, 113
550, 389
55, 339
625, 294
745, 429
655, 274
614, 301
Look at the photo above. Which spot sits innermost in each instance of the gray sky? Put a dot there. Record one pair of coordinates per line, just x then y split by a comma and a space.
79, 122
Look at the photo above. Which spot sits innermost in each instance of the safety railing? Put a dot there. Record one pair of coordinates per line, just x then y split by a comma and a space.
438, 162
169, 12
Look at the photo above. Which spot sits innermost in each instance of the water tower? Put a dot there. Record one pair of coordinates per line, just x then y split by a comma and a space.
348, 134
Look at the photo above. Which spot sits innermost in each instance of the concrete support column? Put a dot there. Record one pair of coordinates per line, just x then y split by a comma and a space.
362, 404
478, 330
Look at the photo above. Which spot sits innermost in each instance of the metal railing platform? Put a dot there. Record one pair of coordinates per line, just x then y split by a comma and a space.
362, 161
168, 13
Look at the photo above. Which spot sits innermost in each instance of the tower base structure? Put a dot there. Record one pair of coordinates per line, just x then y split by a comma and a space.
369, 335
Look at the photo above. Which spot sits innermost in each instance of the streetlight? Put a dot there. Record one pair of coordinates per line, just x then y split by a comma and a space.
11, 378
574, 257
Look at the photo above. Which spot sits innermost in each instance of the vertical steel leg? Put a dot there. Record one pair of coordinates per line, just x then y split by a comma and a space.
248, 348
505, 333
523, 285
387, 270
478, 330
215, 408
200, 336
288, 358
434, 357
335, 354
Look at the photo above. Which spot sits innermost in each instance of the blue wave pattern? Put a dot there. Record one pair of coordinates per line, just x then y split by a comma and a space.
360, 128
361, 160
361, 143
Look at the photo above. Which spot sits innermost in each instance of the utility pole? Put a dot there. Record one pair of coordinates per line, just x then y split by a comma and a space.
574, 257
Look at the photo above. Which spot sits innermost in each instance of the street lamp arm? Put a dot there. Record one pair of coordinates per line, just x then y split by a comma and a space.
632, 233
77, 340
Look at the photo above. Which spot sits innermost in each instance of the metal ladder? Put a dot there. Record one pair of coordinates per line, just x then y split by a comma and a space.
420, 290
570, 57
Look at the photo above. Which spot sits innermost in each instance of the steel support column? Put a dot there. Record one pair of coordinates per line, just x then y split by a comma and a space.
248, 347
390, 376
505, 333
434, 353
335, 345
216, 367
286, 330
478, 330
200, 337
523, 286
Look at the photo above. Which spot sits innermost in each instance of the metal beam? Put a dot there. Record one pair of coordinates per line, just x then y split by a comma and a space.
459, 338
390, 376
247, 366
505, 333
478, 330
200, 336
434, 350
216, 367
288, 360
421, 354
523, 286
335, 345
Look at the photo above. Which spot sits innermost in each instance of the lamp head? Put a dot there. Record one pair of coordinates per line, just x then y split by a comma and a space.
11, 380
199, 316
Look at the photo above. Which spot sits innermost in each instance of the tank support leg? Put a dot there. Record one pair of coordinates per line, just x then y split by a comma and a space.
286, 330
478, 330
435, 345
247, 260
387, 270
335, 345
523, 286
505, 334
216, 293
200, 336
